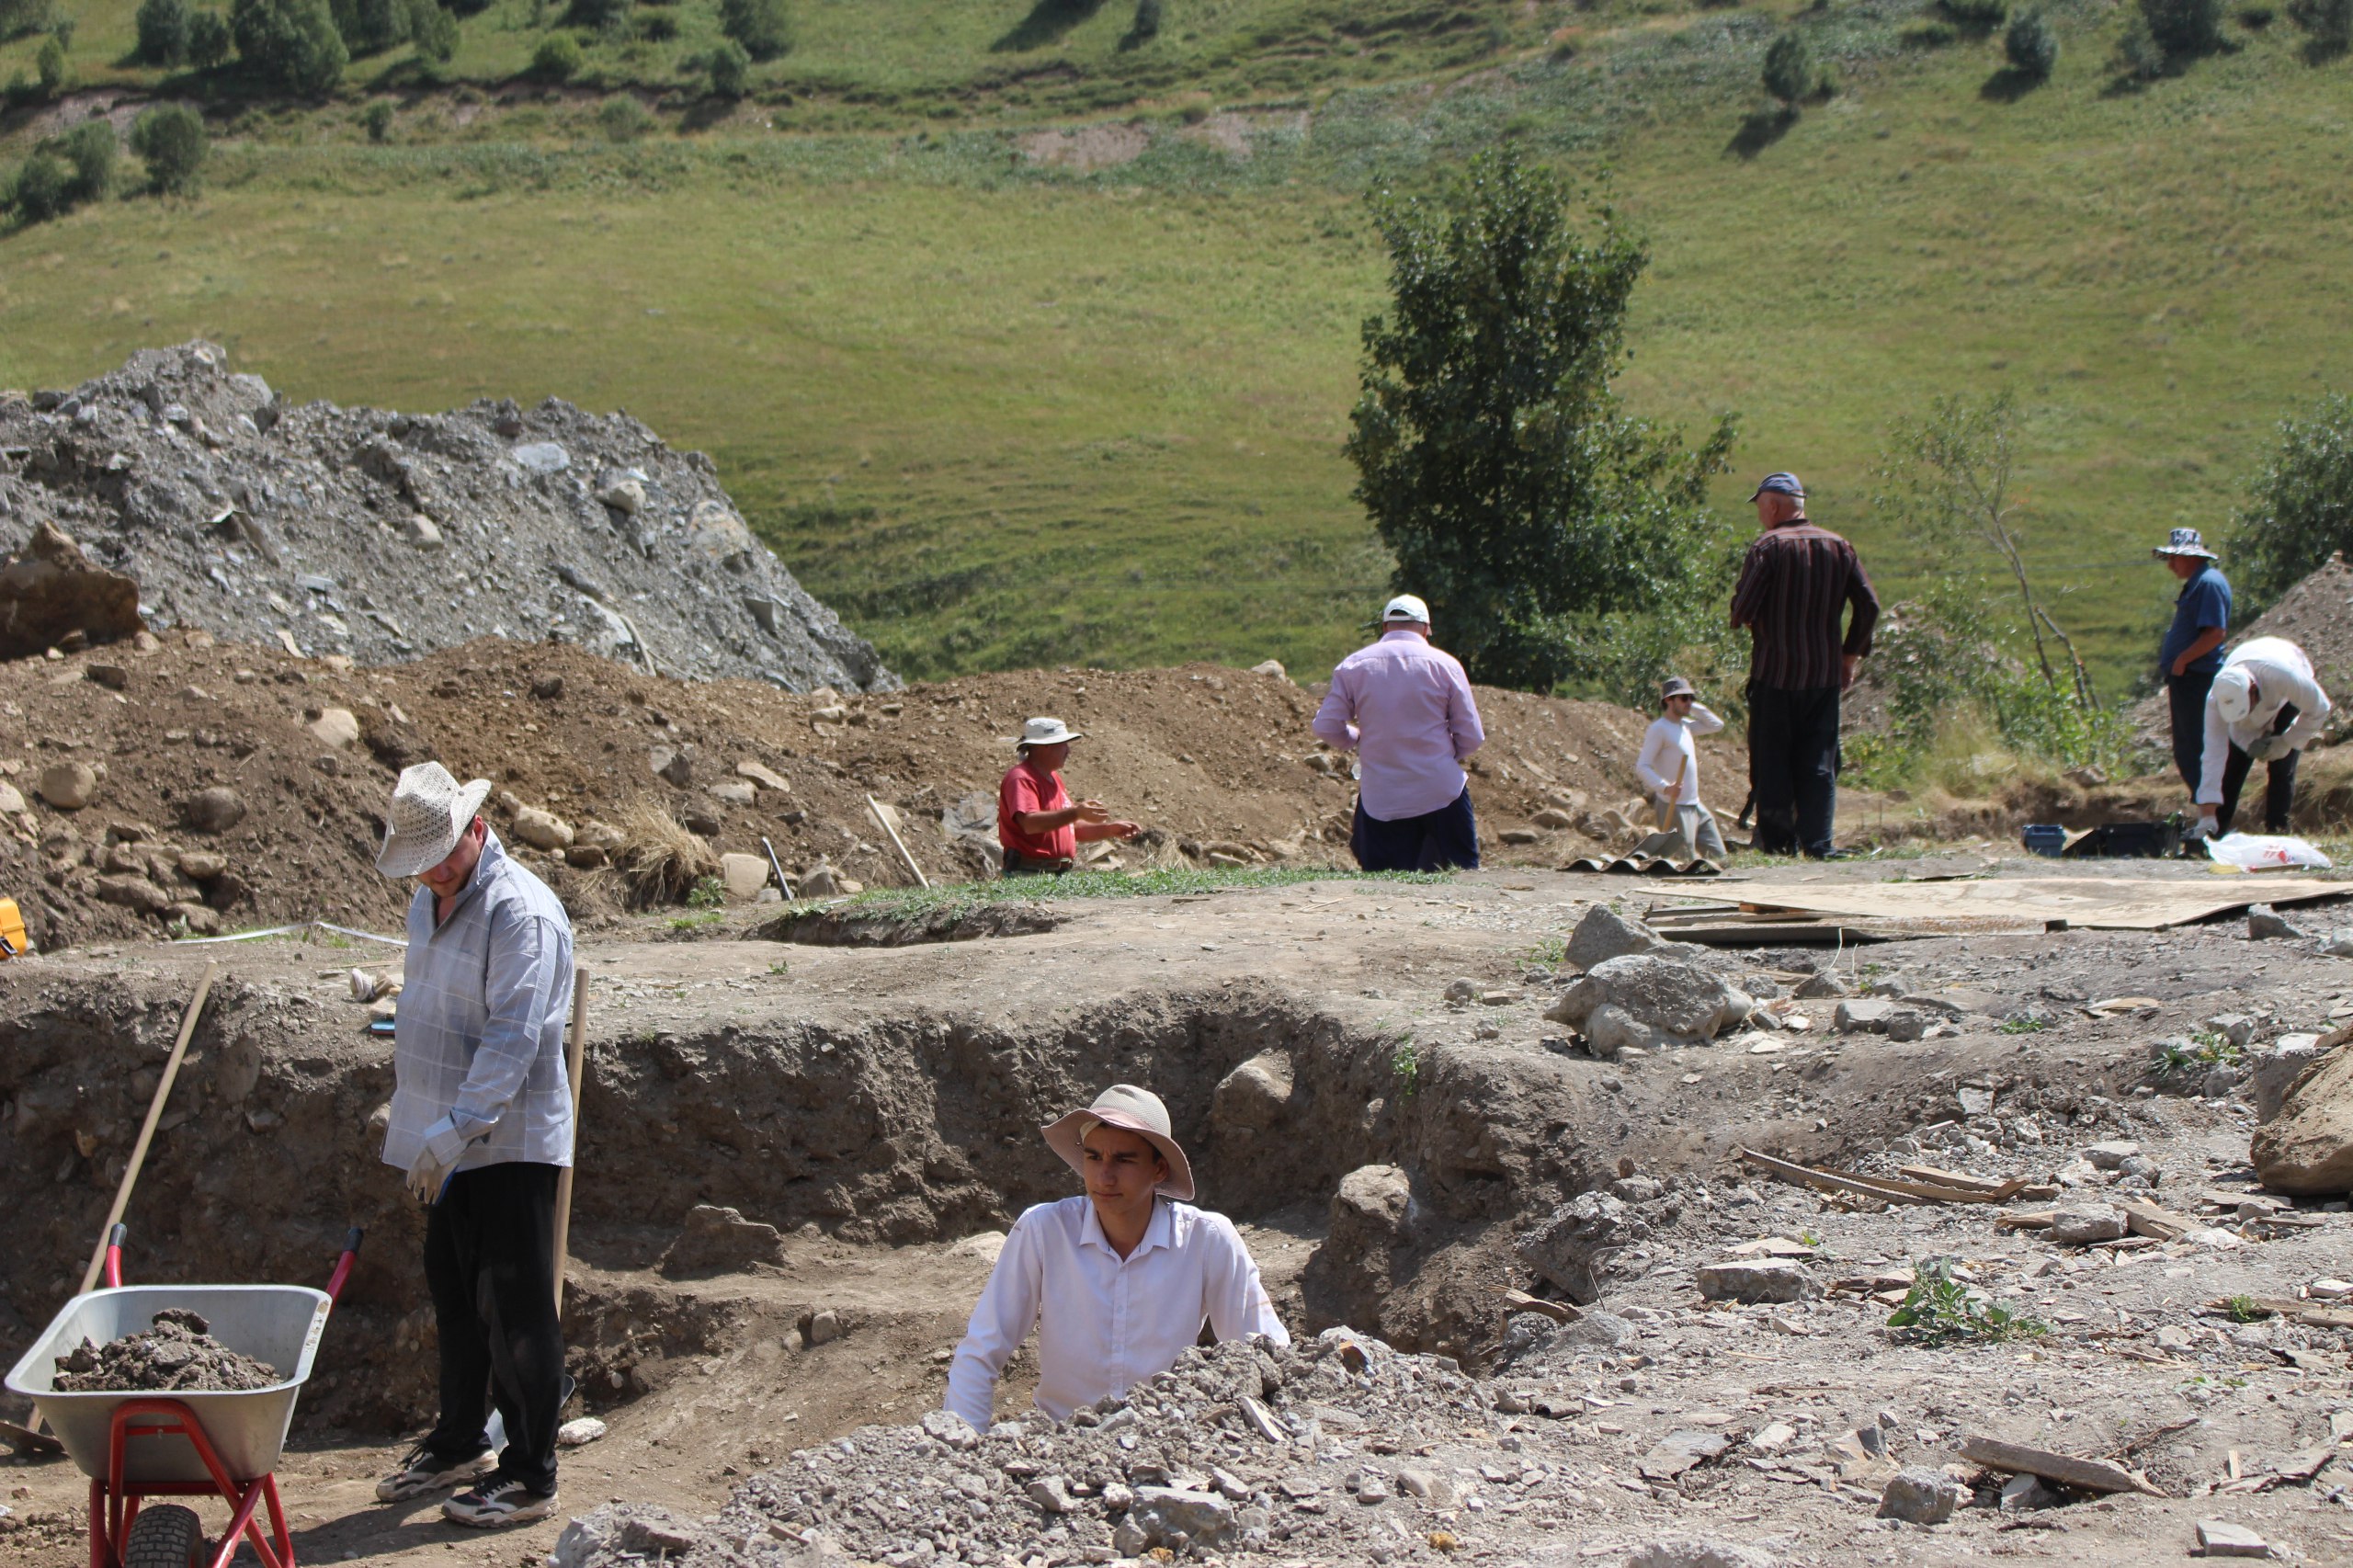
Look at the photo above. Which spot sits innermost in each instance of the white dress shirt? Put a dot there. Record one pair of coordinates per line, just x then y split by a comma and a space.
1667, 745
1105, 1323
2283, 674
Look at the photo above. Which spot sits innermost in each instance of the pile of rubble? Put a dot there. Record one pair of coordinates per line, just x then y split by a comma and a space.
380, 536
177, 1354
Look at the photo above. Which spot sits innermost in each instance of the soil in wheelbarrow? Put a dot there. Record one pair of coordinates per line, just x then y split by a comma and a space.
178, 1354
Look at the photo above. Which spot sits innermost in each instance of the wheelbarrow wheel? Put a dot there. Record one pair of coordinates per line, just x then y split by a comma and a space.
166, 1535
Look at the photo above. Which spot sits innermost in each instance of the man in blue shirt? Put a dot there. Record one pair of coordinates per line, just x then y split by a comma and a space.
2192, 653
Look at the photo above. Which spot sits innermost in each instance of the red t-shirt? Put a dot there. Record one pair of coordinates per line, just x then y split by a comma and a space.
1027, 788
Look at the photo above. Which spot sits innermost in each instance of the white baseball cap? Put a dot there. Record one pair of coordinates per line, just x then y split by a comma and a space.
2233, 694
1406, 607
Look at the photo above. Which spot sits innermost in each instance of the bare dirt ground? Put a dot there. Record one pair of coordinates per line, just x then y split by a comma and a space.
878, 1108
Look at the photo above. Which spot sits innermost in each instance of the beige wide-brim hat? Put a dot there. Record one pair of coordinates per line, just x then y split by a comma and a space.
1045, 733
430, 809
1137, 1110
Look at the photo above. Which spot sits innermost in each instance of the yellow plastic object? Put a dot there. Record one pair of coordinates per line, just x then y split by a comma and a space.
12, 931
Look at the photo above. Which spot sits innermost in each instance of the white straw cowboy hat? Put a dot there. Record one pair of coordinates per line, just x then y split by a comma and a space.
1045, 733
429, 812
1135, 1110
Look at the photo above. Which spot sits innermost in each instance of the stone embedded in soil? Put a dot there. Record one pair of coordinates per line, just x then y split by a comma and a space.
1920, 1497
51, 592
1757, 1279
1687, 1553
68, 786
216, 809
1603, 934
177, 1354
2264, 923
2080, 1224
2110, 1155
541, 829
1821, 987
2221, 1537
1574, 1249
1648, 1001
716, 1240
1863, 1015
1681, 1451
2306, 1150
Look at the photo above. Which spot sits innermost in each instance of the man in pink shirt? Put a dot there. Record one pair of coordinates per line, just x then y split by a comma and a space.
1405, 709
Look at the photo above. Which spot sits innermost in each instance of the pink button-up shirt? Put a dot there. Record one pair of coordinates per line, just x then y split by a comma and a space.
1105, 1323
1405, 709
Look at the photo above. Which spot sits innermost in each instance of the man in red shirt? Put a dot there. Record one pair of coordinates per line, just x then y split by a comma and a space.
1038, 824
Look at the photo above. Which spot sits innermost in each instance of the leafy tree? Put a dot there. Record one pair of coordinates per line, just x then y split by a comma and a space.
208, 40
170, 140
291, 42
1145, 27
42, 188
2182, 30
90, 148
19, 17
2138, 56
2032, 46
762, 26
370, 27
2301, 505
163, 28
433, 30
557, 59
2327, 23
1495, 460
49, 65
1790, 75
730, 69
596, 15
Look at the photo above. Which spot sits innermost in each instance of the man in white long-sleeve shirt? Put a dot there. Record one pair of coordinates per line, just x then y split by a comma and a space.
1117, 1281
1670, 769
2264, 707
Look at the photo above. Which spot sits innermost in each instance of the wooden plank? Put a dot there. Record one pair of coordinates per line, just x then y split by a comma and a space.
1521, 1302
2100, 903
1830, 1181
2084, 1475
2309, 1313
2144, 1218
1937, 1177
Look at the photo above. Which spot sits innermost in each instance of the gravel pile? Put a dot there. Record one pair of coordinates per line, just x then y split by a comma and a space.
382, 537
177, 1354
1240, 1449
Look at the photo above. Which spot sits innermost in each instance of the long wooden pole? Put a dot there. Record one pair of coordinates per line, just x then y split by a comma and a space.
572, 1051
921, 881
147, 1129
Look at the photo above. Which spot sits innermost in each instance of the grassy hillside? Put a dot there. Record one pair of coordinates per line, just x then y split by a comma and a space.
1005, 411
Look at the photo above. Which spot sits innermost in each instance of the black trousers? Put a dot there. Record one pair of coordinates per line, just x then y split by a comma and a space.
490, 1263
1793, 766
2280, 791
1433, 841
2185, 701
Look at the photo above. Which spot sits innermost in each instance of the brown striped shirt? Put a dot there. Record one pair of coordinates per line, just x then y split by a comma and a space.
1794, 586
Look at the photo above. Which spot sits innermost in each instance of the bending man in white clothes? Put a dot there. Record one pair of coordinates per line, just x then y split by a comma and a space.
1116, 1281
2264, 707
1670, 769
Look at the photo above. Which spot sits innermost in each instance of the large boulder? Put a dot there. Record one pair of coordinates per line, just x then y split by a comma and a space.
51, 591
1650, 1001
1604, 934
2307, 1150
1351, 1273
721, 1240
1255, 1096
1575, 1248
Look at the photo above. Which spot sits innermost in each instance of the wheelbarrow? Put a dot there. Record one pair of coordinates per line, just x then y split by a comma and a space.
191, 1443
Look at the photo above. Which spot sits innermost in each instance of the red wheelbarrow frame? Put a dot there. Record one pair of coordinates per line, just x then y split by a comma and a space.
114, 1502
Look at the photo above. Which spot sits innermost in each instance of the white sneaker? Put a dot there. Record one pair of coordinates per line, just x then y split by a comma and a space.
424, 1471
497, 1501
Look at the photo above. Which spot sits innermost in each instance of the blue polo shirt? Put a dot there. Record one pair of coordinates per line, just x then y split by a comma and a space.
2204, 601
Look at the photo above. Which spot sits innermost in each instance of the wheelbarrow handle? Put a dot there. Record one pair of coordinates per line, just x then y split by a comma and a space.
114, 1254
351, 1240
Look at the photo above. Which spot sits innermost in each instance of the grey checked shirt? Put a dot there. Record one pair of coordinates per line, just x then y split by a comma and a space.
478, 1048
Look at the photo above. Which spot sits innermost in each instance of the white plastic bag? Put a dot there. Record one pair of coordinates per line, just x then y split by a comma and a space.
2254, 852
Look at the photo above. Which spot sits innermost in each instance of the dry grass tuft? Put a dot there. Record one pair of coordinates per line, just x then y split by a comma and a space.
659, 861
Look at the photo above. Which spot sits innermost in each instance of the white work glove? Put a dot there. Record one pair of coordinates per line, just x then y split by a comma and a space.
2205, 826
429, 1176
2270, 748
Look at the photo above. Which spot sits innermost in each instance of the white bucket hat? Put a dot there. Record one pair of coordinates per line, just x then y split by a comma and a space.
1136, 1111
2235, 694
429, 812
1045, 733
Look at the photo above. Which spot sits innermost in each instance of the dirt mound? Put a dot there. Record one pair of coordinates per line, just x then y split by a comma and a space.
381, 536
232, 786
178, 1352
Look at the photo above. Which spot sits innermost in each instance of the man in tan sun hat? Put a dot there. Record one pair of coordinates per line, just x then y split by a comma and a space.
1038, 824
1118, 1280
481, 1122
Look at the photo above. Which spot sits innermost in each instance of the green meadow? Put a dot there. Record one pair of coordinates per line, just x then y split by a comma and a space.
1001, 412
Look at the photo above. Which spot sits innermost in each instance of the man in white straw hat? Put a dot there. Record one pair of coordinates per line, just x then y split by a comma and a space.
1118, 1280
1404, 707
2264, 707
2191, 655
1038, 824
481, 1122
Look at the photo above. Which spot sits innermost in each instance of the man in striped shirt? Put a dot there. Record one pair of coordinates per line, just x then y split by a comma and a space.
1795, 588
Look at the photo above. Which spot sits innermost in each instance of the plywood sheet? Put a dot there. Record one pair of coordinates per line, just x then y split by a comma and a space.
2113, 903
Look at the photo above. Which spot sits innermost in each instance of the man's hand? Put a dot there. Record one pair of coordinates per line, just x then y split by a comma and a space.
1848, 664
1122, 829
2181, 663
1091, 811
427, 1177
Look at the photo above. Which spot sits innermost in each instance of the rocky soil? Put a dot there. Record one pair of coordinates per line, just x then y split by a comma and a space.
176, 1352
380, 537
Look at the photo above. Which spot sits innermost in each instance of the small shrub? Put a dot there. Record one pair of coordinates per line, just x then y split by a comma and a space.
2183, 29
2255, 18
43, 187
61, 30
1146, 26
710, 892
595, 16
19, 17
1939, 1308
656, 27
369, 26
208, 40
2138, 57
170, 140
2032, 46
90, 148
730, 69
376, 119
762, 26
624, 118
557, 59
292, 44
433, 30
660, 862
2328, 23
1789, 69
1978, 16
163, 31
49, 63
1929, 35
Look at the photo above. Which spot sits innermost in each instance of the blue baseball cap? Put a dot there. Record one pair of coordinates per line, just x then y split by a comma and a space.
1781, 484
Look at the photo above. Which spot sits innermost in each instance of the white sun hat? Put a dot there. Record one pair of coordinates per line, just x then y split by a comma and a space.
430, 809
1045, 733
1135, 1110
1407, 608
2235, 694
